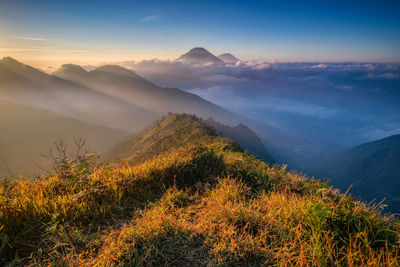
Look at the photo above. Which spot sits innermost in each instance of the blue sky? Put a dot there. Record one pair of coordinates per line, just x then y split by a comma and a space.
94, 31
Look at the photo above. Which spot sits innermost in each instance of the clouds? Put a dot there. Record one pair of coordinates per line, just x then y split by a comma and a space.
264, 76
324, 100
150, 18
29, 38
386, 75
155, 15
260, 77
342, 104
319, 66
296, 80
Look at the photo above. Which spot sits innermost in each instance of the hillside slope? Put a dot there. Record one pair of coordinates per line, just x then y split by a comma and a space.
197, 200
162, 135
172, 132
373, 170
244, 136
27, 132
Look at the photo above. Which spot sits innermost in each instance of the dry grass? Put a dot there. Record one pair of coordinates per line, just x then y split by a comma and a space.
227, 225
204, 203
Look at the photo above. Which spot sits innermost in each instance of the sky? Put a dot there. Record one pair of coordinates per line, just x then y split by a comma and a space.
54, 32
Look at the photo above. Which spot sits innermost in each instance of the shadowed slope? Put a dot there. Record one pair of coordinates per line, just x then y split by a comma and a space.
373, 170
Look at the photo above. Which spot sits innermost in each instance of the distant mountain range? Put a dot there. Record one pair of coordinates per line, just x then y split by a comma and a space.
23, 84
200, 55
149, 99
109, 95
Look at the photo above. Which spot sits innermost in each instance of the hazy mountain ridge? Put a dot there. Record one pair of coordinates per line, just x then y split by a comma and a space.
109, 95
26, 85
126, 85
27, 132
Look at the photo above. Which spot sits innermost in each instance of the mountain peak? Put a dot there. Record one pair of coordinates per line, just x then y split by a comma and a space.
198, 50
71, 68
228, 58
10, 61
199, 55
118, 70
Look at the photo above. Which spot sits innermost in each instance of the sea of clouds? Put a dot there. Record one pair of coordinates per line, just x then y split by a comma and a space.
343, 103
356, 102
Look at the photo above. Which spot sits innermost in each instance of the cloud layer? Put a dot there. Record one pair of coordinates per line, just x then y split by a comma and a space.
357, 100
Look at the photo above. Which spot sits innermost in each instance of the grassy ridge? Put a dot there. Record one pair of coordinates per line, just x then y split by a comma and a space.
198, 202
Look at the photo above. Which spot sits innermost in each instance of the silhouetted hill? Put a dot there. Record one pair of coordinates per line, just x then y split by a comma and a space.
27, 132
199, 55
373, 170
228, 58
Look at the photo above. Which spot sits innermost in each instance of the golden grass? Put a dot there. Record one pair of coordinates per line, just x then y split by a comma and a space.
227, 225
200, 204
